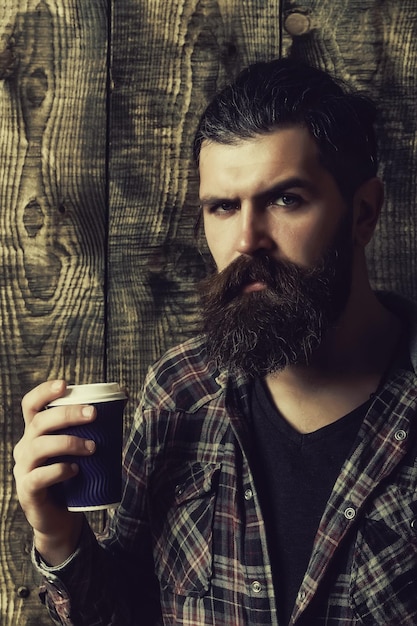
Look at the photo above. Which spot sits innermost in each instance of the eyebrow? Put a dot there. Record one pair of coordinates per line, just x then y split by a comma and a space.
279, 188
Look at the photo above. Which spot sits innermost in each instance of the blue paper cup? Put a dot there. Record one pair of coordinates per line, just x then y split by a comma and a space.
98, 484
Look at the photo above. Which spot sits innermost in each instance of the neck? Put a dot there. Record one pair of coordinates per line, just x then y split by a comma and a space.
344, 372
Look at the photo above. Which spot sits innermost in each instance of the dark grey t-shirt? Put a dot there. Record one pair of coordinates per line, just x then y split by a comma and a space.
295, 474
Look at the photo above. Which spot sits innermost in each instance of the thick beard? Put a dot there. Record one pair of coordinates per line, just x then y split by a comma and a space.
263, 332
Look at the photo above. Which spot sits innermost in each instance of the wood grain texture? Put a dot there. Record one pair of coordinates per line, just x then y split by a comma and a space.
98, 261
373, 46
52, 233
168, 59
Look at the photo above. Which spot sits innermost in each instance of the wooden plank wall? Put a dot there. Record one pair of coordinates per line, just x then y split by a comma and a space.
98, 104
53, 120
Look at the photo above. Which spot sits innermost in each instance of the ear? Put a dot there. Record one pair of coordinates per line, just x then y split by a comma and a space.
367, 204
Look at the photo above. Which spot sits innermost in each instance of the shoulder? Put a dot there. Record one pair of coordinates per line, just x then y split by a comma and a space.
183, 379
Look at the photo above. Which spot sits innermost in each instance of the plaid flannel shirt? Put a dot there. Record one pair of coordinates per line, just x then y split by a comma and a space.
188, 543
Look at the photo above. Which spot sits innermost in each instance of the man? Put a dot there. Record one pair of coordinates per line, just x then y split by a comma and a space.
270, 474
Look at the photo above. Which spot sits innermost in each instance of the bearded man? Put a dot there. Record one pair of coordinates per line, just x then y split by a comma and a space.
270, 475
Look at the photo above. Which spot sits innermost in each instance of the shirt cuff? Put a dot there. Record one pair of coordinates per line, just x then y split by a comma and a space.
53, 591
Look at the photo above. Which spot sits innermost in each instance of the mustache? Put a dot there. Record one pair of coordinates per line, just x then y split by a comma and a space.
281, 277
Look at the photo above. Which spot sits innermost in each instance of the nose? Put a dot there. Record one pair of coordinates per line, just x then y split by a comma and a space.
254, 232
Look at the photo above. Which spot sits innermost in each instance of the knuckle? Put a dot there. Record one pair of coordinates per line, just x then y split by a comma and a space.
16, 473
68, 443
33, 429
29, 484
16, 451
72, 413
69, 412
35, 447
20, 451
25, 404
30, 399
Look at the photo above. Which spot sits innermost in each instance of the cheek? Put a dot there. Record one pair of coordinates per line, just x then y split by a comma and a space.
327, 236
216, 244
313, 247
306, 243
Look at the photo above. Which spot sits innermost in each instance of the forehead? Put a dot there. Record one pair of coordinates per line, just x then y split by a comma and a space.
284, 153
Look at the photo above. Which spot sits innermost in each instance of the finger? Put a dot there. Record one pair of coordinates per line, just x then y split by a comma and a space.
44, 476
42, 449
39, 397
60, 417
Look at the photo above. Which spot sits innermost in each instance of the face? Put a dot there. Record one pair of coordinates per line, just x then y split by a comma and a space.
270, 194
281, 237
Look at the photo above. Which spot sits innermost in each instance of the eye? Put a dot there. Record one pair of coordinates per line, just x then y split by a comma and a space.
223, 208
286, 200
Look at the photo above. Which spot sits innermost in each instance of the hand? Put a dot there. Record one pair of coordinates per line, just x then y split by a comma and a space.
56, 529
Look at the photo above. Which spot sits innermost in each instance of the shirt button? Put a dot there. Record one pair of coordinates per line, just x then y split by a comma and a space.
400, 435
256, 586
349, 513
301, 596
248, 494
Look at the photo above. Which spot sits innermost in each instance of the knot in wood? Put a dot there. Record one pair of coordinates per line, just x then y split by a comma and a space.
36, 87
8, 61
33, 218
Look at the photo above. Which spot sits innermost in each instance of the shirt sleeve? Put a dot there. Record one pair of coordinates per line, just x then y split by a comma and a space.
89, 577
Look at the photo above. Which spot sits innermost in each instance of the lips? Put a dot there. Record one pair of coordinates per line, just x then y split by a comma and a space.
245, 275
254, 286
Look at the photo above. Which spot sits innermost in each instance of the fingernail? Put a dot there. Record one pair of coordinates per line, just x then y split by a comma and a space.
90, 445
87, 411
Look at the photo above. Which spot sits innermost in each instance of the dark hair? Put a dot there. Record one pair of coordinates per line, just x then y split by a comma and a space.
286, 92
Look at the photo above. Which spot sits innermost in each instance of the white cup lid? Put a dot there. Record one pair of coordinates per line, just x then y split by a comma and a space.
89, 394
